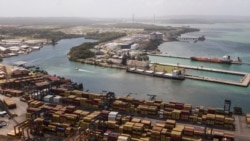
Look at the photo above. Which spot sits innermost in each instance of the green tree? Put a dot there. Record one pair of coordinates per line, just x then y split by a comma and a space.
80, 86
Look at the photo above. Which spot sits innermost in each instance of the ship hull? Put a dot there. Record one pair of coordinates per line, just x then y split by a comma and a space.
212, 60
162, 75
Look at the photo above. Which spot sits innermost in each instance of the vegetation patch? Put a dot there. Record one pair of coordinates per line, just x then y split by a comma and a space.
105, 36
166, 68
83, 51
35, 34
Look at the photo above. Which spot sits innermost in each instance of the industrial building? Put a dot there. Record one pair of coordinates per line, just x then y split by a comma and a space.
156, 36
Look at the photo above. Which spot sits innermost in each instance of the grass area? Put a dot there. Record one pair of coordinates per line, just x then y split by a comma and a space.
166, 68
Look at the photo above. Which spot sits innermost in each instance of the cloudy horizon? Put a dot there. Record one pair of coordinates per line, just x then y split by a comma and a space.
122, 8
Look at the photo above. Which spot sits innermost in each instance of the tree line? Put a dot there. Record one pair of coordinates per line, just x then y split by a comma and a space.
104, 36
35, 33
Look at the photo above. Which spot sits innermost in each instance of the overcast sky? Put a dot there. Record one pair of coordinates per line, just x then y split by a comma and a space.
121, 8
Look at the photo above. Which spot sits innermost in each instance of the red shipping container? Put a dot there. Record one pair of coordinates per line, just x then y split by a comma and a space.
174, 138
168, 109
185, 112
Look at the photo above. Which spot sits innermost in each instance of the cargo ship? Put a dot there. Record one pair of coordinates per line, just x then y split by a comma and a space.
175, 74
224, 60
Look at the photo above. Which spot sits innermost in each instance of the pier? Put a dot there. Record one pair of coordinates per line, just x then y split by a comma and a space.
201, 38
169, 56
183, 57
244, 82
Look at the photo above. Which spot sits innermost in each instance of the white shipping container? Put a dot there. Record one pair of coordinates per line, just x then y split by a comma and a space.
112, 115
57, 99
48, 98
123, 138
160, 113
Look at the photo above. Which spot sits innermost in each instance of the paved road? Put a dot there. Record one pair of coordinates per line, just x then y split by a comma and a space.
242, 132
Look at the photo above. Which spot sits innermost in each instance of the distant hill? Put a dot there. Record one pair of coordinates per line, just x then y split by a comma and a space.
77, 21
66, 21
204, 19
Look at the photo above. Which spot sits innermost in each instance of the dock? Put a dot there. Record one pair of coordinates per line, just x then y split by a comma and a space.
244, 82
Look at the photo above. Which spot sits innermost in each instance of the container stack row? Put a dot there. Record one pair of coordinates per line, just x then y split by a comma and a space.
61, 120
172, 110
76, 98
248, 119
10, 103
120, 120
213, 117
54, 128
12, 92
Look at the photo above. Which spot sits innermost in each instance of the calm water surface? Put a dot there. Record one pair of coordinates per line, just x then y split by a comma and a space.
220, 40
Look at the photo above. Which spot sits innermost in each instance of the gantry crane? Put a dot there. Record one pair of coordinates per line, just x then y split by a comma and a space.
108, 99
152, 97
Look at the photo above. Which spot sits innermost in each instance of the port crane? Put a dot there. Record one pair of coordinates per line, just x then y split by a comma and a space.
129, 94
227, 106
152, 97
108, 99
98, 124
208, 135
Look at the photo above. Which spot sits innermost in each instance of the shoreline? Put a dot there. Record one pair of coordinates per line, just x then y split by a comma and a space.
100, 64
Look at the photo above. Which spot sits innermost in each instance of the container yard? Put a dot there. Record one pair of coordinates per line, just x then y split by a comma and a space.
48, 108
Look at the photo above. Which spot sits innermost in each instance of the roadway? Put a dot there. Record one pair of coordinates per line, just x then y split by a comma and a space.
242, 132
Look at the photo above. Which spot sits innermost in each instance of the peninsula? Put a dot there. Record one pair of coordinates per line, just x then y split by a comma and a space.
119, 43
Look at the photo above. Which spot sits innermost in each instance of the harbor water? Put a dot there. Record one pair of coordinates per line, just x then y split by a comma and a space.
221, 39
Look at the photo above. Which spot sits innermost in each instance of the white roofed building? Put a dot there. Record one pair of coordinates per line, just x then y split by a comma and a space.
135, 46
14, 49
4, 50
156, 36
24, 46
